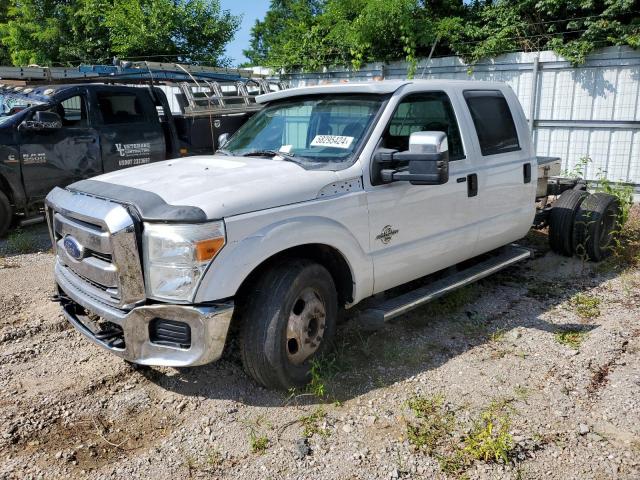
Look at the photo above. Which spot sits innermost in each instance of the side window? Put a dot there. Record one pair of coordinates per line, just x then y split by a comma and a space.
493, 121
424, 112
73, 111
119, 108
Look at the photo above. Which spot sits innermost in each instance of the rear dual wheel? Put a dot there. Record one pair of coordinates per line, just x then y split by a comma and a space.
584, 225
596, 225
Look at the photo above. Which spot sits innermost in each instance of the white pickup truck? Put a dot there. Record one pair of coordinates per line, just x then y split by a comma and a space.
329, 195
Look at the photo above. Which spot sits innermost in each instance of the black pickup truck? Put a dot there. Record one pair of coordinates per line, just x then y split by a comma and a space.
55, 135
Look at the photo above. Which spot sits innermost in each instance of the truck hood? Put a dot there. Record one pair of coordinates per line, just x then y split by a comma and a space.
220, 186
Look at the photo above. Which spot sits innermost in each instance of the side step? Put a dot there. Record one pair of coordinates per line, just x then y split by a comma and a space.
375, 316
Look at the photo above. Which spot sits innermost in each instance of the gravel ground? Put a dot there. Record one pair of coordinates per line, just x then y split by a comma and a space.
69, 409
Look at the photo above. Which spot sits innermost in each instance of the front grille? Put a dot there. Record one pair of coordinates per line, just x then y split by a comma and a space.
96, 247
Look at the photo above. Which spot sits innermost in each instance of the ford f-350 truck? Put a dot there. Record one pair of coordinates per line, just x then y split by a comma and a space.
326, 197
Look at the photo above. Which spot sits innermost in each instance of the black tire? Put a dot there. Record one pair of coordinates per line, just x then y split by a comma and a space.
561, 221
6, 214
595, 227
270, 352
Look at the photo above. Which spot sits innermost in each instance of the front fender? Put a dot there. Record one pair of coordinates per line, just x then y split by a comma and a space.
245, 252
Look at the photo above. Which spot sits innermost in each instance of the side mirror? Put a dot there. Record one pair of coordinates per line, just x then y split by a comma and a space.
222, 139
427, 160
42, 121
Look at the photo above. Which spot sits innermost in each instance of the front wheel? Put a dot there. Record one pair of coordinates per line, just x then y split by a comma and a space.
6, 214
289, 320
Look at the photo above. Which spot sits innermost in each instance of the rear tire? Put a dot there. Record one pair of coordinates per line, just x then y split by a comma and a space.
561, 221
6, 214
289, 321
596, 225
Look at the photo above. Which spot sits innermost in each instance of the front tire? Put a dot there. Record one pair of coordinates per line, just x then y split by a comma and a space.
6, 214
289, 320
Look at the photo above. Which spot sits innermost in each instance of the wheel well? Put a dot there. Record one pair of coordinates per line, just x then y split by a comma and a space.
327, 256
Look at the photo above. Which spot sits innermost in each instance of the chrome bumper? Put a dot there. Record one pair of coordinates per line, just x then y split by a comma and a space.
209, 326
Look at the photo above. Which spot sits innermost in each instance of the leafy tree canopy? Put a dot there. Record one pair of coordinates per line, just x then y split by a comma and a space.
68, 32
310, 34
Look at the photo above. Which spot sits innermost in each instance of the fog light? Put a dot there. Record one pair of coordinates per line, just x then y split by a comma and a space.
170, 333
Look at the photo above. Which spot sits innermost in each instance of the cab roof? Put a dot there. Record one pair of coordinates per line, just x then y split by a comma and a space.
374, 87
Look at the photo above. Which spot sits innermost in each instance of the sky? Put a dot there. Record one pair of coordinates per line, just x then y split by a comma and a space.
251, 11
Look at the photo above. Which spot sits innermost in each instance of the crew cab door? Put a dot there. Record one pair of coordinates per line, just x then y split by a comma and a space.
505, 166
419, 229
58, 157
130, 129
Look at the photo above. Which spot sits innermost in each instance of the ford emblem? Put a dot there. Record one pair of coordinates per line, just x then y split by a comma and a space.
73, 248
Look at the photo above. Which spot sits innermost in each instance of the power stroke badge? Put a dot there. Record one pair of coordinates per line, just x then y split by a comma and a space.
387, 234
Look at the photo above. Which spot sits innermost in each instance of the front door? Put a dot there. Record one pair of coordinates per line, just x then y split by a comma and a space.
58, 157
130, 130
420, 229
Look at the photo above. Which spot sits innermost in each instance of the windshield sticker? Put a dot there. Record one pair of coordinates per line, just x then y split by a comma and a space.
335, 141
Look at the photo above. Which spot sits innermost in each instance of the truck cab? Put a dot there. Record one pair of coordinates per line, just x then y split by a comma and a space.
325, 197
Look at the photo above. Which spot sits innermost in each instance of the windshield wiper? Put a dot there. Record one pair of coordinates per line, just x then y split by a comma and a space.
224, 152
267, 153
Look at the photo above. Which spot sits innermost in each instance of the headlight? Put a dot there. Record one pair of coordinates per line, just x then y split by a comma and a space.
176, 256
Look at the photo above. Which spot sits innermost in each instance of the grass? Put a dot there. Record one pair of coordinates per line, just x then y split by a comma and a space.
585, 305
258, 443
322, 370
433, 423
572, 338
490, 439
20, 241
543, 290
311, 423
435, 431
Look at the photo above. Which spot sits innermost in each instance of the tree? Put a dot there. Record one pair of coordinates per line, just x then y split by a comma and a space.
67, 32
311, 34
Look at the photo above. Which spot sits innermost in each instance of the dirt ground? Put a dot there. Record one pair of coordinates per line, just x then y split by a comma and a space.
544, 357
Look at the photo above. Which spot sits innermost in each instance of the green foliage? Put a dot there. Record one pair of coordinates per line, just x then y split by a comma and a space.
310, 34
572, 338
433, 423
57, 32
585, 305
490, 439
258, 443
311, 423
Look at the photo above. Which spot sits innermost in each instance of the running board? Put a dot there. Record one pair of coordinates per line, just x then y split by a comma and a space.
375, 316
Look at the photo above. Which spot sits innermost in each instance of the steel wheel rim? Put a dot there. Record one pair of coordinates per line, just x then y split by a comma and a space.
305, 326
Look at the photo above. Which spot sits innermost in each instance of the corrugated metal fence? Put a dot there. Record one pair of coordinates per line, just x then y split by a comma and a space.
592, 110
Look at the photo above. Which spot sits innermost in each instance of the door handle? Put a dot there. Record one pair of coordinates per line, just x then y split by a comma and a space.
84, 140
526, 172
472, 184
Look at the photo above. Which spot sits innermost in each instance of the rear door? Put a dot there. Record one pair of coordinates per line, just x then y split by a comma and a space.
59, 157
420, 229
130, 129
505, 167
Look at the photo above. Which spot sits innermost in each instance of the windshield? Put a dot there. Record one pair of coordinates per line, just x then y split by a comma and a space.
13, 103
316, 132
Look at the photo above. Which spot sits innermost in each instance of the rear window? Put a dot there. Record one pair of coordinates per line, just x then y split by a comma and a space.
120, 108
493, 121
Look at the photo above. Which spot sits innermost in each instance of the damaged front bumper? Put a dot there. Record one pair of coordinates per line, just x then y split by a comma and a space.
162, 335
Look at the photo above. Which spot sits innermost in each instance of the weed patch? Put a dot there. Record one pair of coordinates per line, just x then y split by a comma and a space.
490, 439
311, 423
433, 423
19, 242
585, 305
572, 338
258, 443
435, 431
